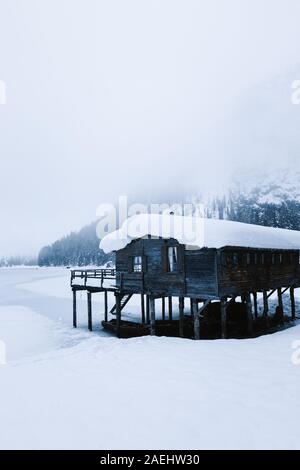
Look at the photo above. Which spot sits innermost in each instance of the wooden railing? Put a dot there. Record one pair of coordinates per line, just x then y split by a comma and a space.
85, 274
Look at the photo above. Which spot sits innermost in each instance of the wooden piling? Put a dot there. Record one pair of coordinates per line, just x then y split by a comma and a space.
147, 310
280, 301
74, 309
255, 304
143, 308
181, 317
249, 315
89, 302
293, 306
105, 306
118, 314
163, 308
152, 316
196, 319
266, 304
170, 308
191, 307
224, 318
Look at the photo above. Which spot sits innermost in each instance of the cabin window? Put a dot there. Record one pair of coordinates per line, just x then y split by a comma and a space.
277, 258
293, 258
231, 259
227, 259
172, 259
235, 259
137, 264
248, 258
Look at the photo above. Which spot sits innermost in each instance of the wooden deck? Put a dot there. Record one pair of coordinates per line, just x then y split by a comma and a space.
93, 280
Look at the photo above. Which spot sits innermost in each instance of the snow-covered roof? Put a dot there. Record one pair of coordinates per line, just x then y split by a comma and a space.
200, 232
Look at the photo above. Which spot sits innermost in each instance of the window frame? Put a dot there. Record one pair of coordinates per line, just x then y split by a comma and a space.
169, 270
137, 267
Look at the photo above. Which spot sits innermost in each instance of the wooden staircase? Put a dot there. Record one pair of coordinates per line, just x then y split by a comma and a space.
124, 301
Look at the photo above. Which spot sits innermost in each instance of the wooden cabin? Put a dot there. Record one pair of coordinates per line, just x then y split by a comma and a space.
226, 261
166, 267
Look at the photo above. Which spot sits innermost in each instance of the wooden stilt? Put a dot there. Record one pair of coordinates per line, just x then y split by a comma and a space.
224, 318
293, 306
280, 301
147, 310
118, 315
105, 306
255, 304
89, 302
266, 304
196, 319
143, 308
191, 307
74, 309
163, 308
249, 315
152, 316
181, 317
170, 309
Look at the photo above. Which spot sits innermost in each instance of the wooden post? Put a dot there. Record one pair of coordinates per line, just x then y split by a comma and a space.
105, 306
224, 318
280, 301
293, 307
181, 317
191, 307
143, 308
266, 304
255, 304
118, 314
89, 302
170, 309
266, 307
152, 316
74, 309
163, 308
196, 319
249, 315
147, 310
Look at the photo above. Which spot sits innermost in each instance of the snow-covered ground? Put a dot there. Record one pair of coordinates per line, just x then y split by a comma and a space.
66, 389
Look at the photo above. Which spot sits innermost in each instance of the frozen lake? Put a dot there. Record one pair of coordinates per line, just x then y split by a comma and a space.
65, 388
14, 291
36, 311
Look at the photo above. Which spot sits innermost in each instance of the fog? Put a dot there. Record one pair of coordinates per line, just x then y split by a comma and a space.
130, 97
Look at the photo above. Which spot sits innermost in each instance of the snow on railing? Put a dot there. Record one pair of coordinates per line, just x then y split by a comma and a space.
85, 274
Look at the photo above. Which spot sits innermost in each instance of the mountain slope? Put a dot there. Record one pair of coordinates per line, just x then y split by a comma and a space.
76, 249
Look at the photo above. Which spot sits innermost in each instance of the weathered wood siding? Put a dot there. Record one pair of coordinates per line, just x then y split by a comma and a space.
238, 277
154, 279
196, 276
200, 273
204, 273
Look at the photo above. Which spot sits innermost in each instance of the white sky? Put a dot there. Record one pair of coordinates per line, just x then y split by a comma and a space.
121, 97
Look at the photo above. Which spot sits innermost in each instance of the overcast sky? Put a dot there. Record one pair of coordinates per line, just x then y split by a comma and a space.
109, 97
